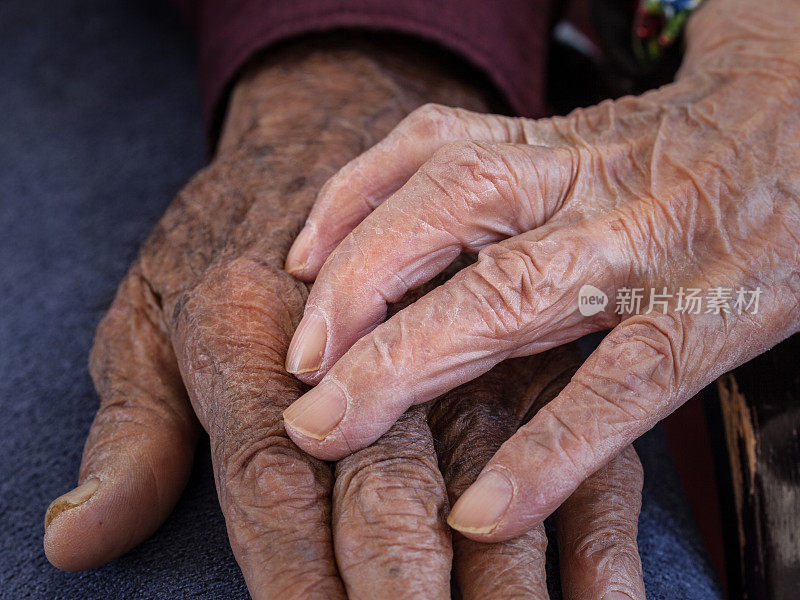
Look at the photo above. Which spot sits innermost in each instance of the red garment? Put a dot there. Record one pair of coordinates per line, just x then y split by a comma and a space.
507, 39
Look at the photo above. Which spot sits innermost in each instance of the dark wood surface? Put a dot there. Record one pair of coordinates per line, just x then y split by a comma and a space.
754, 418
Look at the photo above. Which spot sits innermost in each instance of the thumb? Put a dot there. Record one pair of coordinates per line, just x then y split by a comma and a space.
139, 452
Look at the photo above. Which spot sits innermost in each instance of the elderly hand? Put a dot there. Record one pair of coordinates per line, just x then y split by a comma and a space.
199, 329
207, 310
692, 186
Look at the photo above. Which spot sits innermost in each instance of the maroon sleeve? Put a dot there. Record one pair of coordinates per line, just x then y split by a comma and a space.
507, 39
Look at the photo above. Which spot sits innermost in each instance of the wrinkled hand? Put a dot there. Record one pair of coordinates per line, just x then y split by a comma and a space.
197, 336
596, 526
199, 329
694, 185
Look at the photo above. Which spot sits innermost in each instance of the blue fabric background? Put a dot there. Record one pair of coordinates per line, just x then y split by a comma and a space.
99, 127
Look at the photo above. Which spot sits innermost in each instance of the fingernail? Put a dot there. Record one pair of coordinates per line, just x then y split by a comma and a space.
298, 253
318, 412
70, 500
481, 507
616, 596
308, 345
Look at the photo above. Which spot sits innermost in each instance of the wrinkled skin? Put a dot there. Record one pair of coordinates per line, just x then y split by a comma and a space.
197, 336
596, 539
694, 185
398, 491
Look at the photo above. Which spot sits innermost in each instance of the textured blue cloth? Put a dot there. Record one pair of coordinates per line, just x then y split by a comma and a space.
100, 126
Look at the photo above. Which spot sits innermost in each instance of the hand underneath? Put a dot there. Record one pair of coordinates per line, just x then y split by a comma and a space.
694, 185
198, 331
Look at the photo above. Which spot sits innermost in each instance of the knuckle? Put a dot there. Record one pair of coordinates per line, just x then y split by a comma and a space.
652, 345
387, 348
468, 182
237, 301
566, 174
403, 492
474, 171
396, 481
268, 489
247, 276
269, 471
230, 336
558, 169
429, 120
124, 415
638, 364
561, 435
509, 286
390, 514
608, 554
605, 547
464, 165
522, 284
616, 487
405, 453
512, 570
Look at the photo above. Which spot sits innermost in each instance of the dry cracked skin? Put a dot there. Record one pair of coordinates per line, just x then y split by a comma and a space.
196, 339
692, 188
